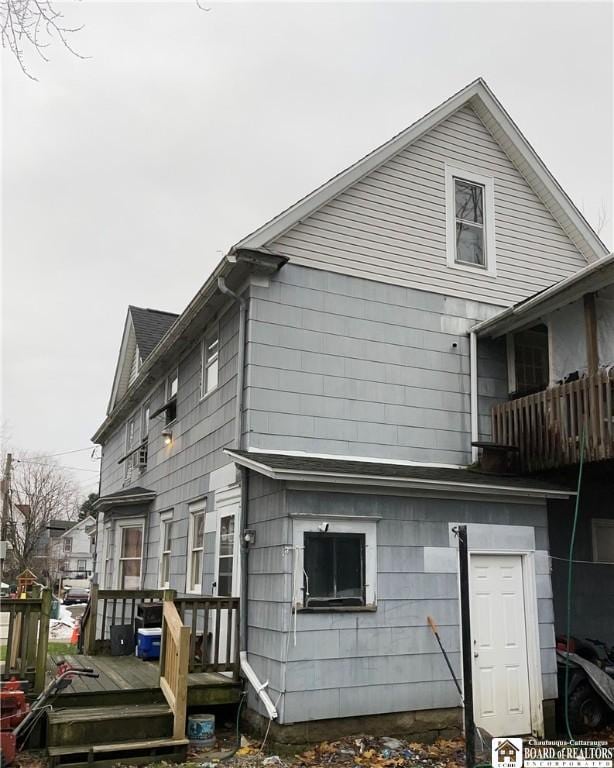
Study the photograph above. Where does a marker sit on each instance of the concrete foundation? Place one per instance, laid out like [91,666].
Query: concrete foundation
[424,726]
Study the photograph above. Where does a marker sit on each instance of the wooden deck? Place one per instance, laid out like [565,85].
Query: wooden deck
[129,680]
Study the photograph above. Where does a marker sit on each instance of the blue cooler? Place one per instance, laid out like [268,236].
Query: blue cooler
[148,645]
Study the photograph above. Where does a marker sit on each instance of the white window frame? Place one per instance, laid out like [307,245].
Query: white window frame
[145,419]
[488,183]
[302,524]
[596,524]
[166,518]
[130,440]
[213,332]
[107,558]
[235,548]
[67,546]
[117,547]
[82,560]
[168,397]
[194,509]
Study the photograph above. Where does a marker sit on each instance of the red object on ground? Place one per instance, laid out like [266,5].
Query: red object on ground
[13,709]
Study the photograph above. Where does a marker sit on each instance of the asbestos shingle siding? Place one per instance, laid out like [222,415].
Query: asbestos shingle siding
[341,365]
[347,664]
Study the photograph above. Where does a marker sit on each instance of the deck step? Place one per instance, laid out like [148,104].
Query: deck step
[101,725]
[124,752]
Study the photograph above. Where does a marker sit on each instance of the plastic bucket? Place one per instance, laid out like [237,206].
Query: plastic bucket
[201,730]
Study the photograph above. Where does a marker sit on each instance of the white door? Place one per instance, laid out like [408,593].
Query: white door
[227,563]
[499,637]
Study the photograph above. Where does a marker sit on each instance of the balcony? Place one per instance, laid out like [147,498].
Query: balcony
[547,426]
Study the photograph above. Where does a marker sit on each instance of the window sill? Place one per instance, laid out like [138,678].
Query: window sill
[339,609]
[480,269]
[208,394]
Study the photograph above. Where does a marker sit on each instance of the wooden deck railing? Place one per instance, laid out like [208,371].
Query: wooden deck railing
[214,643]
[28,637]
[547,426]
[174,662]
[214,624]
[108,607]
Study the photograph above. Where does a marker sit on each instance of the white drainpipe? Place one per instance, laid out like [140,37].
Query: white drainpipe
[473,362]
[259,687]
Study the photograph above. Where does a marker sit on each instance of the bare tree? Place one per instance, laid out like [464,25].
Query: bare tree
[31,25]
[41,491]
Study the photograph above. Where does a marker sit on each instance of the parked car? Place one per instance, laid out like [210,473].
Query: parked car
[76,595]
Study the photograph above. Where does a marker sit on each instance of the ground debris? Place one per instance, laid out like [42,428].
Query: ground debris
[385,752]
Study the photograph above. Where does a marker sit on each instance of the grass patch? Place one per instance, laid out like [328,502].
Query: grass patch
[54,649]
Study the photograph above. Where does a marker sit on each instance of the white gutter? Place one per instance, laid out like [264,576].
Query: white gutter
[537,302]
[259,687]
[343,478]
[473,361]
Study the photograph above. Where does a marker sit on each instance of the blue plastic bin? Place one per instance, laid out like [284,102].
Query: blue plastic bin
[148,643]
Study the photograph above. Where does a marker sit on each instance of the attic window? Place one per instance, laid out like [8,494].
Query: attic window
[470,220]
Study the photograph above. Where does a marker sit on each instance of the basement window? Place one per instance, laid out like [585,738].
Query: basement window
[334,569]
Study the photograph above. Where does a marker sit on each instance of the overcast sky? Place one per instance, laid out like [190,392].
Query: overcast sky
[128,174]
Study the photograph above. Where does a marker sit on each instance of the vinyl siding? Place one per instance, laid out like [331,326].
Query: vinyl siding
[350,664]
[342,365]
[391,225]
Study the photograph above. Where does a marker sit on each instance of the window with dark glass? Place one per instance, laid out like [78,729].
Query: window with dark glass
[531,359]
[469,216]
[334,566]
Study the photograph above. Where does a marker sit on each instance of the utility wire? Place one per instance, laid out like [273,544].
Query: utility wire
[64,453]
[57,466]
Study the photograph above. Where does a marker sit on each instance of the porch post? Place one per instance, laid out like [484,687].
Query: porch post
[590,324]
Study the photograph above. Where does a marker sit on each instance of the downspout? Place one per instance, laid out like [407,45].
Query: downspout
[473,378]
[221,284]
[246,667]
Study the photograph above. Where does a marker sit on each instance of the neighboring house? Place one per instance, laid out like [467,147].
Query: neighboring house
[43,557]
[72,555]
[302,433]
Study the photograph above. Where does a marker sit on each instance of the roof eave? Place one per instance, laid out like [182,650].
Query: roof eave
[341,478]
[147,375]
[482,99]
[591,278]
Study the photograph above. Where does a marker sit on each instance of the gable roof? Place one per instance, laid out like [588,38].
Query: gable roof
[88,520]
[503,129]
[593,277]
[143,329]
[150,325]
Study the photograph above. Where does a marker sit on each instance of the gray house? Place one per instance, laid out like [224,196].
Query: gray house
[302,436]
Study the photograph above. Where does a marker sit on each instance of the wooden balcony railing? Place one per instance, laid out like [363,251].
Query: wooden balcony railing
[547,426]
